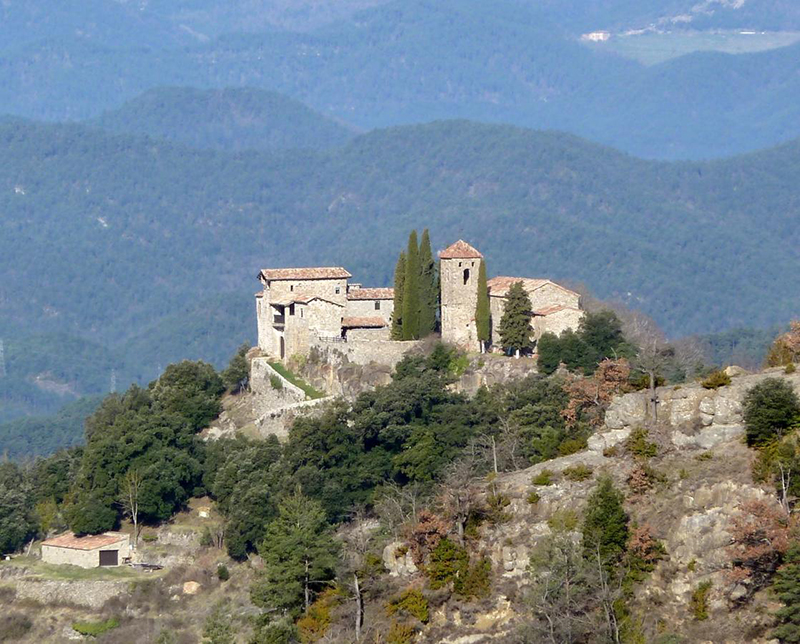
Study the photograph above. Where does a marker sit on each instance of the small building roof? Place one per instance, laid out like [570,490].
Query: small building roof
[460,250]
[312,273]
[364,323]
[498,286]
[550,310]
[371,294]
[87,542]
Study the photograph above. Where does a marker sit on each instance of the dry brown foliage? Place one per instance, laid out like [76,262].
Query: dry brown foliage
[760,536]
[425,535]
[786,348]
[591,396]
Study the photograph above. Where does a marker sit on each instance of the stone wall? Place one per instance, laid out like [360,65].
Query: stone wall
[366,309]
[266,397]
[368,335]
[557,322]
[278,421]
[364,352]
[90,594]
[459,300]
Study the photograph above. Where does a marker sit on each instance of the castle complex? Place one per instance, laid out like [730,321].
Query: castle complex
[300,308]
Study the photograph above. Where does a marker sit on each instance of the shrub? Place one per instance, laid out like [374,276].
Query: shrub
[699,601]
[411,602]
[716,379]
[316,621]
[400,634]
[545,477]
[275,382]
[93,629]
[533,497]
[578,473]
[476,582]
[638,445]
[771,408]
[572,446]
[496,508]
[565,520]
[14,626]
[223,574]
[448,561]
[149,537]
[644,478]
[705,456]
[790,368]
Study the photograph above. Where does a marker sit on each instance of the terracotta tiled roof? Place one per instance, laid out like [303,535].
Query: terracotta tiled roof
[460,250]
[89,542]
[498,286]
[317,273]
[368,323]
[555,309]
[371,294]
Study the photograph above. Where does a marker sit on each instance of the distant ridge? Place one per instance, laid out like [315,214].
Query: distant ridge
[232,119]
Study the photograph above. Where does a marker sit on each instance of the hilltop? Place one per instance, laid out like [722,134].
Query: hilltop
[148,231]
[227,119]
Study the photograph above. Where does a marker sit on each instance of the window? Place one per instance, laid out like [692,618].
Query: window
[301,312]
[377,305]
[338,290]
[291,309]
[459,264]
[291,287]
[466,275]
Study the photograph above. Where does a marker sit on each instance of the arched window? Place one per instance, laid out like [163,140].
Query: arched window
[466,275]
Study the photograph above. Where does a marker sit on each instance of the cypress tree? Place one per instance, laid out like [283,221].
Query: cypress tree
[399,281]
[411,290]
[515,325]
[482,311]
[428,287]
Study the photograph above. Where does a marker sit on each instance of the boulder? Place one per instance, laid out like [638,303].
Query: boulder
[191,588]
[397,560]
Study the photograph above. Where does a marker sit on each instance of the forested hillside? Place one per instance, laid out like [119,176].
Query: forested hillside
[122,241]
[226,119]
[411,61]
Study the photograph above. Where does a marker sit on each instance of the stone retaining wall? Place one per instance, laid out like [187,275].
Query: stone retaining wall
[90,594]
[278,421]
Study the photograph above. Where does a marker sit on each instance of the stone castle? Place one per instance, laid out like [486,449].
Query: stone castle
[302,308]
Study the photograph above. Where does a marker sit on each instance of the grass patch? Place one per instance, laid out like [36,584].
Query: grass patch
[93,629]
[297,381]
[39,569]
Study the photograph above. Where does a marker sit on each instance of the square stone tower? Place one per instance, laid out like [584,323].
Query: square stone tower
[458,272]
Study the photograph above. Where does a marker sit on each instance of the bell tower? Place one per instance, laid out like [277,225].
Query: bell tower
[458,271]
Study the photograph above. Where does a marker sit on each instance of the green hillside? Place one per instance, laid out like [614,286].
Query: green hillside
[416,60]
[227,119]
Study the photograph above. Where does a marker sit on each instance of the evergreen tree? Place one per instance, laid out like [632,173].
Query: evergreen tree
[549,350]
[399,282]
[411,290]
[787,587]
[605,524]
[428,287]
[218,628]
[299,553]
[515,325]
[482,311]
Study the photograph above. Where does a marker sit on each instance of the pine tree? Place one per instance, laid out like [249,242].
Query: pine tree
[399,281]
[605,524]
[515,325]
[482,310]
[787,587]
[299,553]
[411,290]
[428,287]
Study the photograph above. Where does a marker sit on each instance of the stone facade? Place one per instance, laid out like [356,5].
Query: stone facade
[303,308]
[91,551]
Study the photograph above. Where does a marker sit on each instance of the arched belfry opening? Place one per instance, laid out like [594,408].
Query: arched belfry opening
[466,276]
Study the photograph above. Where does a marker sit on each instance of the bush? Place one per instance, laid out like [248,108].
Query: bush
[638,445]
[223,574]
[275,382]
[533,497]
[572,446]
[14,626]
[93,629]
[447,562]
[578,473]
[545,477]
[476,582]
[400,634]
[149,537]
[411,602]
[790,368]
[496,508]
[316,621]
[699,601]
[771,408]
[716,379]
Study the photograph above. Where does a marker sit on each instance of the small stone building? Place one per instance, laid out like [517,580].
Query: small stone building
[90,551]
